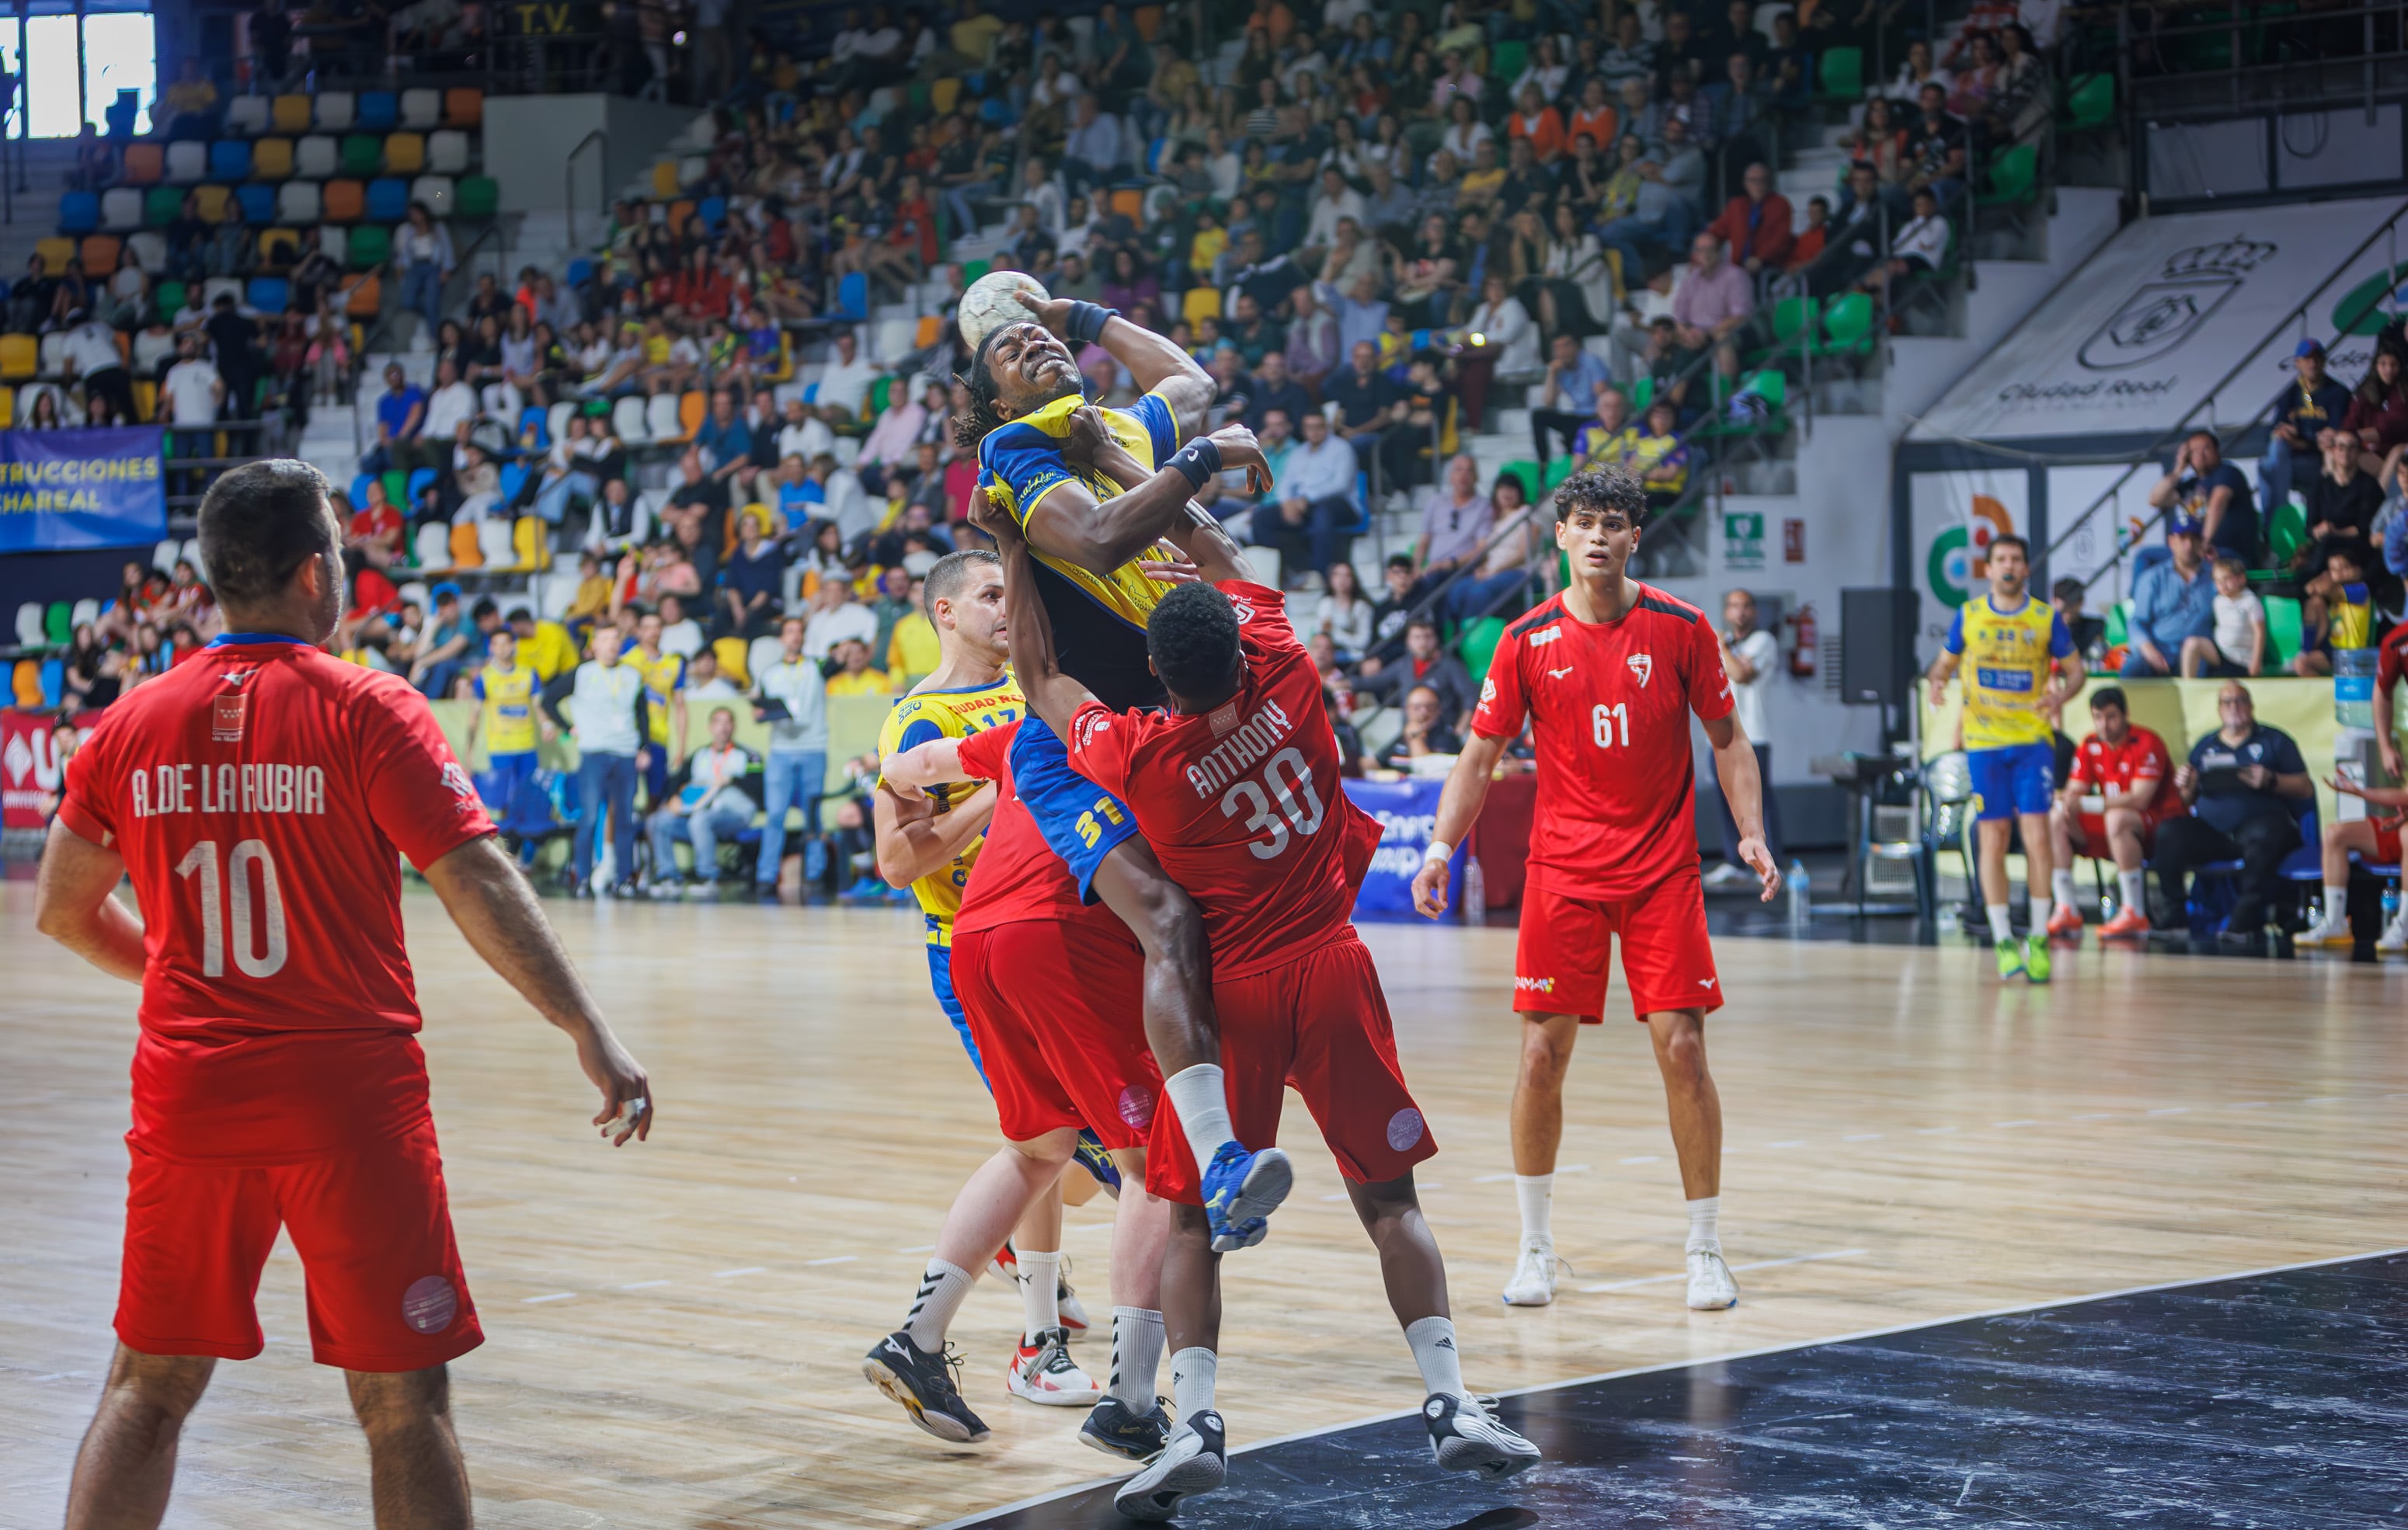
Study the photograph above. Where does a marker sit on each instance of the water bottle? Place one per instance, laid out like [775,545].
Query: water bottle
[1475,891]
[1802,896]
[2354,686]
[2390,902]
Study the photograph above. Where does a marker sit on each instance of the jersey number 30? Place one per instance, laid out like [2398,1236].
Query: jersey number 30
[1288,781]
[202,861]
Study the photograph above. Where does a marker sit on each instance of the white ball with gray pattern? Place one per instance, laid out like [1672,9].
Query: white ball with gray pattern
[988,306]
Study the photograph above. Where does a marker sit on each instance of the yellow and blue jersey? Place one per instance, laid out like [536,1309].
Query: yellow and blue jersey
[929,714]
[2007,656]
[1098,621]
[664,677]
[509,698]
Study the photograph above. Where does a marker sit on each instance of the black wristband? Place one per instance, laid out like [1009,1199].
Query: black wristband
[1198,460]
[1087,323]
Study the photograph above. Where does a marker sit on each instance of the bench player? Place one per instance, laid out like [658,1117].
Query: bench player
[1228,788]
[257,796]
[1613,852]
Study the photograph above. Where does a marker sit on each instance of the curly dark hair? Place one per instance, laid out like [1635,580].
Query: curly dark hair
[971,427]
[1602,488]
[1192,637]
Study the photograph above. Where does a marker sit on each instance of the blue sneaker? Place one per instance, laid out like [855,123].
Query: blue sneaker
[1115,1428]
[1091,1155]
[1240,1189]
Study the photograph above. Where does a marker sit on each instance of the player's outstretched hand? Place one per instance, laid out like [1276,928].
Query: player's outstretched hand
[1051,312]
[1760,859]
[1429,889]
[1238,449]
[1169,570]
[2344,785]
[626,1091]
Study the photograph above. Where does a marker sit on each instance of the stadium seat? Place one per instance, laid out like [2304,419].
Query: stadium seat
[447,152]
[692,169]
[931,330]
[361,482]
[290,113]
[25,675]
[1840,74]
[55,623]
[497,543]
[421,107]
[54,362]
[712,211]
[258,202]
[2089,102]
[852,296]
[211,201]
[144,163]
[480,196]
[333,239]
[661,423]
[247,115]
[892,339]
[434,546]
[191,554]
[531,542]
[464,106]
[279,248]
[99,254]
[404,154]
[271,159]
[370,245]
[299,202]
[2015,177]
[269,295]
[363,299]
[734,662]
[29,624]
[170,299]
[20,357]
[361,154]
[230,159]
[335,110]
[1848,325]
[1201,303]
[435,192]
[627,419]
[188,161]
[150,248]
[375,111]
[420,481]
[216,287]
[467,551]
[164,556]
[55,253]
[388,200]
[680,212]
[345,201]
[664,180]
[317,156]
[78,212]
[162,206]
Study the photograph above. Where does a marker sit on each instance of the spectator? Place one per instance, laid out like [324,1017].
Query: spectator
[704,683]
[2172,602]
[1342,614]
[2343,609]
[608,727]
[1312,520]
[1423,662]
[792,698]
[1711,303]
[2205,488]
[1390,614]
[1608,439]
[2090,632]
[2114,797]
[1918,249]
[1367,401]
[1661,458]
[706,802]
[2378,416]
[844,383]
[1569,395]
[1425,732]
[2312,405]
[1938,146]
[2236,646]
[1755,225]
[2240,785]
[681,635]
[1751,657]
[1274,389]
[1455,518]
[2341,504]
[750,586]
[423,259]
[836,617]
[1665,211]
[854,675]
[192,392]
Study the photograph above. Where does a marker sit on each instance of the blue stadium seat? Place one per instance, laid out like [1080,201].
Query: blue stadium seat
[230,160]
[388,200]
[535,416]
[513,479]
[360,491]
[852,296]
[375,111]
[712,211]
[580,271]
[258,202]
[419,481]
[78,212]
[269,295]
[55,682]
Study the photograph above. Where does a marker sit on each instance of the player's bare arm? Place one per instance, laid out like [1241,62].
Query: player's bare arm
[913,839]
[1100,535]
[1458,808]
[73,906]
[489,898]
[1943,669]
[1054,697]
[1744,788]
[1153,364]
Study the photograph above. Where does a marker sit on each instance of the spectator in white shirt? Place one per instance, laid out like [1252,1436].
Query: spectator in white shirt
[92,359]
[452,402]
[703,680]
[1919,248]
[608,727]
[836,617]
[681,633]
[1343,614]
[192,390]
[1336,200]
[708,804]
[1751,657]
[842,499]
[804,434]
[1313,520]
[844,384]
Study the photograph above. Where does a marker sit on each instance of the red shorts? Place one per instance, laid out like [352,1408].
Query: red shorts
[2094,835]
[1560,965]
[1057,1007]
[1320,1024]
[372,1226]
[2387,841]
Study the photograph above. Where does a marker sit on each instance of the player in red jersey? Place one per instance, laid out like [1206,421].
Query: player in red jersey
[2114,798]
[1613,851]
[261,797]
[1237,787]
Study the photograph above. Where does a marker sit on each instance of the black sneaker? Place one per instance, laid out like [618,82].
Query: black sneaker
[1115,1428]
[923,1383]
[1465,1435]
[1196,1460]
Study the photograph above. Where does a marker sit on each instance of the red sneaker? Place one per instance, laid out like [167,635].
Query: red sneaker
[2128,923]
[2066,921]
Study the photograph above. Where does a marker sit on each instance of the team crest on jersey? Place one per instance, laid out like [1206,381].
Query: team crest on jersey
[227,714]
[457,779]
[1223,718]
[1487,690]
[1642,666]
[1244,609]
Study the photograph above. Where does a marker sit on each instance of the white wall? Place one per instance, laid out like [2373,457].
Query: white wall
[528,139]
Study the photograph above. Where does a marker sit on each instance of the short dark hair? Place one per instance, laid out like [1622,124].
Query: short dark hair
[2068,588]
[2109,695]
[1601,489]
[950,573]
[2011,539]
[258,524]
[1192,639]
[1401,559]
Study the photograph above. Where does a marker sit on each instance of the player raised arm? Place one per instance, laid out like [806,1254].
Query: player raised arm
[1744,788]
[490,900]
[1214,553]
[1458,808]
[1054,697]
[1154,363]
[913,839]
[72,904]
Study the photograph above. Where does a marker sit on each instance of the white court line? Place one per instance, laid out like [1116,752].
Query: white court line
[556,1297]
[642,1285]
[919,1248]
[1863,1137]
[732,1274]
[985,1515]
[1492,1179]
[2170,1110]
[2002,1125]
[2094,1115]
[834,1258]
[1646,1158]
[1792,1142]
[1761,1264]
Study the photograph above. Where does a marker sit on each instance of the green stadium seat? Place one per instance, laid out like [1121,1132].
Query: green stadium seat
[1848,325]
[2119,625]
[1478,645]
[2286,533]
[479,197]
[371,245]
[161,205]
[170,295]
[363,155]
[2283,628]
[1528,473]
[1840,74]
[1507,60]
[2015,177]
[2089,102]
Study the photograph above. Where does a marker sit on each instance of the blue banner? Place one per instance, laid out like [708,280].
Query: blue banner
[65,489]
[1407,810]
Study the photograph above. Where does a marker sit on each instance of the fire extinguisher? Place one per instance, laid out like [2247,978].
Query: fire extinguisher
[1801,656]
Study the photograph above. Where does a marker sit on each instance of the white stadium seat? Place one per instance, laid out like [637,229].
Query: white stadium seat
[661,422]
[420,108]
[315,157]
[150,248]
[628,422]
[246,116]
[447,152]
[435,192]
[121,207]
[336,109]
[188,161]
[434,544]
[85,613]
[298,202]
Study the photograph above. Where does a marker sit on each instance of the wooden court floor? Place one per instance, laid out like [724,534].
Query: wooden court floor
[674,1328]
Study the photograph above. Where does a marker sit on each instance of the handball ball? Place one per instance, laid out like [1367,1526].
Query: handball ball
[988,305]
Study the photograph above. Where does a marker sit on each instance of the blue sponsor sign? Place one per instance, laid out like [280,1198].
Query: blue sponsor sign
[1407,810]
[67,489]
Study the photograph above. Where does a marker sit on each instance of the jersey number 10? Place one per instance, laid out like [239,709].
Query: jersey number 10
[1299,805]
[202,861]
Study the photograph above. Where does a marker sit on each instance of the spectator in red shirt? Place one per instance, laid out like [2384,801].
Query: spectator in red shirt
[376,528]
[1757,225]
[2114,799]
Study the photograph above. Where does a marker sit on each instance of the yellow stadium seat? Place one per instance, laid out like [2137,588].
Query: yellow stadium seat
[404,154]
[292,114]
[25,681]
[9,406]
[271,159]
[731,652]
[664,180]
[20,357]
[146,399]
[465,553]
[277,249]
[55,253]
[1201,303]
[944,96]
[213,200]
[531,539]
[932,329]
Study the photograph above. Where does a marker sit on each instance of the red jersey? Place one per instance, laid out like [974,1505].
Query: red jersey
[1617,797]
[2391,661]
[1017,876]
[1243,806]
[262,795]
[2143,758]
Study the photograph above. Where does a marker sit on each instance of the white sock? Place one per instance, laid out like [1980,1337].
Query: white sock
[1192,1374]
[1041,1290]
[2336,903]
[1137,1355]
[2134,892]
[1434,1352]
[941,1290]
[1704,1236]
[2039,912]
[1537,1194]
[2002,927]
[1202,1102]
[2061,883]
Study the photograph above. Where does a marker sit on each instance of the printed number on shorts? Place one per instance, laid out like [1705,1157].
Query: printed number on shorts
[202,861]
[1287,781]
[1602,722]
[1089,830]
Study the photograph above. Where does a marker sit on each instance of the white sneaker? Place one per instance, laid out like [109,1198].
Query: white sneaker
[1073,1311]
[1533,1283]
[2328,931]
[1466,1435]
[1727,875]
[1043,1372]
[2394,938]
[1711,1286]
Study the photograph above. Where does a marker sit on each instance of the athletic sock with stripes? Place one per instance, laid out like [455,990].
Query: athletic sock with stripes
[941,1291]
[1137,1355]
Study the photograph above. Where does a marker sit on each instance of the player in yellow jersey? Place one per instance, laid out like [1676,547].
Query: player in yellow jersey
[2019,666]
[663,706]
[505,717]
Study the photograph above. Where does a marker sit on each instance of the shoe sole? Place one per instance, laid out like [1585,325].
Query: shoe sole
[1548,1299]
[1196,1475]
[1713,1307]
[1097,1442]
[877,1373]
[1267,1186]
[1457,1453]
[1056,1399]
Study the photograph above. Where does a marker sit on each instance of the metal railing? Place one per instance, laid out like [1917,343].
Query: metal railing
[568,185]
